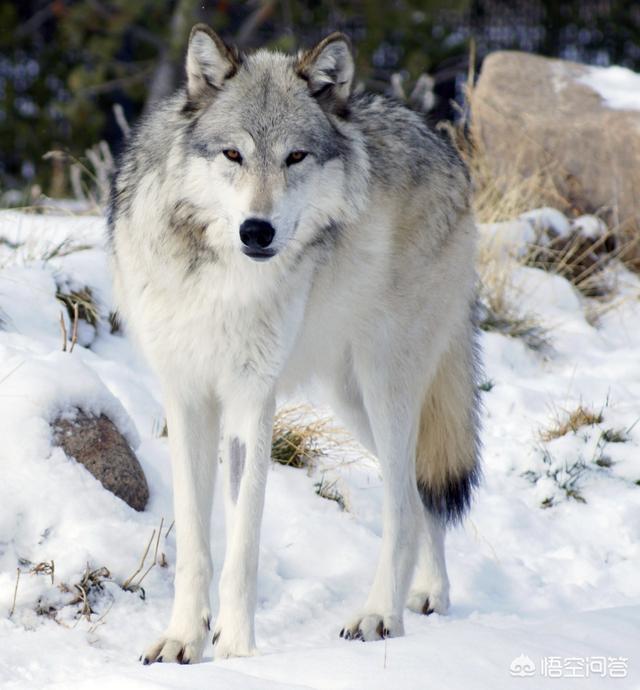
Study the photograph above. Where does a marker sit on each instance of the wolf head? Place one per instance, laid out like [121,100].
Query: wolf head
[269,146]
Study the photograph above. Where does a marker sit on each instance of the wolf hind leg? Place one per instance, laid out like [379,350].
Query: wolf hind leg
[447,466]
[193,424]
[393,409]
[430,587]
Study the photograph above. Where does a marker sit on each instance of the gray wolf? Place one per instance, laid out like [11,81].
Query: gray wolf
[269,228]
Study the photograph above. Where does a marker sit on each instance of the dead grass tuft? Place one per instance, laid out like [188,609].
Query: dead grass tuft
[87,590]
[579,260]
[504,195]
[328,490]
[572,421]
[497,310]
[300,437]
[615,436]
[82,300]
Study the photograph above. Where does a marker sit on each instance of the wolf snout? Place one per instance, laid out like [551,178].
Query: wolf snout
[256,235]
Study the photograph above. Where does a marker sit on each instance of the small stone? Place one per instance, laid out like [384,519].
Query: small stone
[96,443]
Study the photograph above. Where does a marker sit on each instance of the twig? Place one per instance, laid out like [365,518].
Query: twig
[45,568]
[100,620]
[173,522]
[127,583]
[63,328]
[121,120]
[86,608]
[74,332]
[4,378]
[15,593]
[254,21]
[75,176]
[155,555]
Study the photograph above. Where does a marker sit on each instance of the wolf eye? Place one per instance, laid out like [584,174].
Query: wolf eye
[233,155]
[296,157]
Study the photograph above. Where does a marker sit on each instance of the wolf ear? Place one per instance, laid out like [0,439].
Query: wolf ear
[328,68]
[209,62]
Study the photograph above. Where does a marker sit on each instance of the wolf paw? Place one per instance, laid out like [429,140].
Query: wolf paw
[178,649]
[373,627]
[225,646]
[428,603]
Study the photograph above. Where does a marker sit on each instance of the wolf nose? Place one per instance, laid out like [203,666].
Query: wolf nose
[256,234]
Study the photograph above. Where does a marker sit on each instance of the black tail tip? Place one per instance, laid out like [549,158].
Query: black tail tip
[451,502]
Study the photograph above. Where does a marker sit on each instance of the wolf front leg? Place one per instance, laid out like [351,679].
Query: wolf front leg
[246,452]
[193,426]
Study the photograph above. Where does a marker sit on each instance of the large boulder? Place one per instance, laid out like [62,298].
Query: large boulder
[96,443]
[531,113]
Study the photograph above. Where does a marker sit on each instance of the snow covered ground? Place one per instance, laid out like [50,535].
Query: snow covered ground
[545,571]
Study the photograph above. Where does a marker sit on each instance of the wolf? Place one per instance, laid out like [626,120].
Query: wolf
[270,228]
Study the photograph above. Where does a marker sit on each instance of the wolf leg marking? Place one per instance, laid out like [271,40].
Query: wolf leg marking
[237,455]
[393,414]
[193,436]
[430,587]
[251,423]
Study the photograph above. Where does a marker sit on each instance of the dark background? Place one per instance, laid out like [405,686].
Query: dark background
[64,64]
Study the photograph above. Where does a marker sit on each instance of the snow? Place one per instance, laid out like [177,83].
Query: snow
[530,585]
[619,87]
[545,219]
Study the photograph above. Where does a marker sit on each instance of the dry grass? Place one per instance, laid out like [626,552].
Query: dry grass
[130,584]
[497,309]
[82,300]
[571,421]
[328,490]
[88,178]
[567,477]
[504,320]
[87,590]
[503,195]
[615,436]
[580,260]
[300,437]
[115,325]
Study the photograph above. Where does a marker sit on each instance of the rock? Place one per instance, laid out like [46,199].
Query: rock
[96,443]
[531,113]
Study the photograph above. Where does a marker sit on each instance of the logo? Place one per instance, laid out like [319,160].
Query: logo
[522,666]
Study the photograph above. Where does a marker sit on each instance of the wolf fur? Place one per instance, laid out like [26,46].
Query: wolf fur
[365,288]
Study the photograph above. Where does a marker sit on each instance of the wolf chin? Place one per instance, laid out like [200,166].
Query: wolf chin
[270,228]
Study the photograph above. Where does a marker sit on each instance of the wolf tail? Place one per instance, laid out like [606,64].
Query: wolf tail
[448,450]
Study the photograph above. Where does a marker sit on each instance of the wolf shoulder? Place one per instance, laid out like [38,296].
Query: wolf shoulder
[405,152]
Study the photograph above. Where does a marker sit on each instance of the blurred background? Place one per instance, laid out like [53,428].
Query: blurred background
[74,74]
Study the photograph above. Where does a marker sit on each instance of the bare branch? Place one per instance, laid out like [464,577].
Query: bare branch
[74,331]
[127,583]
[254,21]
[118,113]
[15,593]
[63,328]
